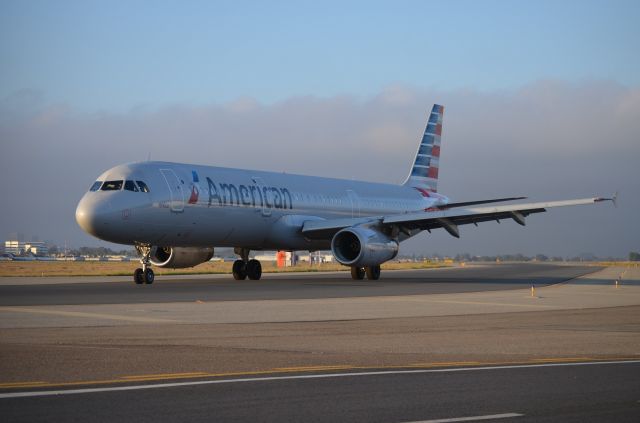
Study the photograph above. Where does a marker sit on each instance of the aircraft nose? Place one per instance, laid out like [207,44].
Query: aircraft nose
[92,215]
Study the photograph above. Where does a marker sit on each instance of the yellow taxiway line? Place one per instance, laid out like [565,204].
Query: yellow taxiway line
[301,369]
[85,315]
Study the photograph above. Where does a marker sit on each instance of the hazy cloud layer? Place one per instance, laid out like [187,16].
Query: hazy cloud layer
[548,140]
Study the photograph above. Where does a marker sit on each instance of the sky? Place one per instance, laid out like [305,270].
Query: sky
[542,99]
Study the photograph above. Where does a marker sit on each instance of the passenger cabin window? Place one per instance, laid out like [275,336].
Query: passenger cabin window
[95,186]
[143,187]
[111,186]
[130,186]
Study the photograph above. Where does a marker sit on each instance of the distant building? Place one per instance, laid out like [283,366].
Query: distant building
[266,257]
[37,248]
[14,247]
[317,257]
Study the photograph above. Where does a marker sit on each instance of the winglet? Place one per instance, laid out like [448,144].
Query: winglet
[613,199]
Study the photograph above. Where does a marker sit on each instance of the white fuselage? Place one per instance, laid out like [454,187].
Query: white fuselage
[204,206]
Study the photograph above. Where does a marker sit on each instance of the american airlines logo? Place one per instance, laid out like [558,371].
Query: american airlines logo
[254,195]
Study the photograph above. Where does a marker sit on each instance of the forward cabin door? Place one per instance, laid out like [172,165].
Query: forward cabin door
[175,188]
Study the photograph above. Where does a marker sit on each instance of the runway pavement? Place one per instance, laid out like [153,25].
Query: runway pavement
[61,336]
[121,290]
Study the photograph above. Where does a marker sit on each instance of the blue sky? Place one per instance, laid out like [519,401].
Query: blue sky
[542,99]
[116,56]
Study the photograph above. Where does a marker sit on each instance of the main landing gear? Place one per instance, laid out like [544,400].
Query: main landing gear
[372,272]
[144,275]
[245,268]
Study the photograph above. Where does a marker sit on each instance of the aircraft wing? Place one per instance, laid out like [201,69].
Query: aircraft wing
[447,219]
[476,203]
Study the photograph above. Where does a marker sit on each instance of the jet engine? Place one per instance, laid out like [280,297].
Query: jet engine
[179,257]
[361,247]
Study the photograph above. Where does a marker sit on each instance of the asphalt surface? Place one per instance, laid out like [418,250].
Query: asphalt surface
[555,393]
[285,286]
[86,348]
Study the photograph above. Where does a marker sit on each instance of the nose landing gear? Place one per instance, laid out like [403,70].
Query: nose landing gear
[244,267]
[144,275]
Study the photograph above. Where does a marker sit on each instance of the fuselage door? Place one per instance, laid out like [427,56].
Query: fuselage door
[175,189]
[267,203]
[355,203]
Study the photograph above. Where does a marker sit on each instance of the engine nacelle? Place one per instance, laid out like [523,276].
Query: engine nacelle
[361,247]
[179,257]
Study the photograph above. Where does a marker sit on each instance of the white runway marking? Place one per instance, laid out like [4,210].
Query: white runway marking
[314,376]
[472,418]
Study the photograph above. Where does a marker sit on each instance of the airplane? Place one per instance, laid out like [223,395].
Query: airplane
[176,214]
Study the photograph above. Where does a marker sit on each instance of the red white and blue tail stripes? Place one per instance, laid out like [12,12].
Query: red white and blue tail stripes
[424,173]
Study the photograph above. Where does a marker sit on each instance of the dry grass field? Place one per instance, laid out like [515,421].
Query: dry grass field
[104,268]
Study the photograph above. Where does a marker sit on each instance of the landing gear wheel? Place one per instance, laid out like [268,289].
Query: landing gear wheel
[254,269]
[373,273]
[239,270]
[138,276]
[149,276]
[357,273]
[144,275]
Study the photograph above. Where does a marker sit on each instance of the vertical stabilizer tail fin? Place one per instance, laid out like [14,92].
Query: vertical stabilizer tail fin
[424,172]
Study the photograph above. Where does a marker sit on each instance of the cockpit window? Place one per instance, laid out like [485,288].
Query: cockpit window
[143,186]
[95,186]
[111,186]
[130,186]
